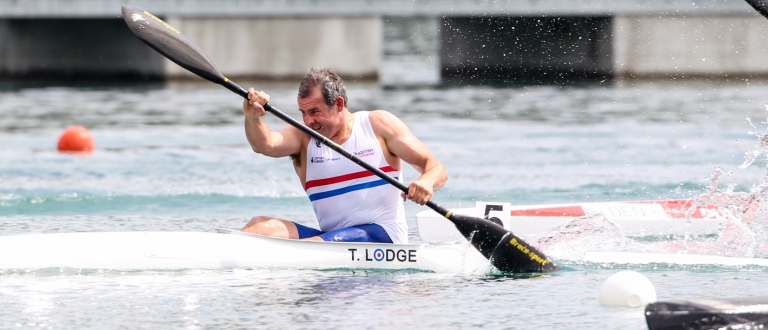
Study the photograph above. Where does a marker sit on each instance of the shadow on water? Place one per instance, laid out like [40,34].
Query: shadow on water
[508,81]
[526,78]
[496,276]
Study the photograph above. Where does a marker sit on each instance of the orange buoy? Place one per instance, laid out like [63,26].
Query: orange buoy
[76,139]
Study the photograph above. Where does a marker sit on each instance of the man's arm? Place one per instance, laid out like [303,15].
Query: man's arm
[285,142]
[401,142]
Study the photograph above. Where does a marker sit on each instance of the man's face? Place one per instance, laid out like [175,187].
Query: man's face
[318,116]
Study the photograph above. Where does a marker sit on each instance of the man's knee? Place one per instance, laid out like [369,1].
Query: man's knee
[257,224]
[258,219]
[269,226]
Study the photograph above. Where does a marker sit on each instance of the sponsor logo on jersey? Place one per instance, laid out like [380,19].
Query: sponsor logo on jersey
[363,153]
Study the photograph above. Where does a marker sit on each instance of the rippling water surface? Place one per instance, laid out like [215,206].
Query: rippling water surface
[174,158]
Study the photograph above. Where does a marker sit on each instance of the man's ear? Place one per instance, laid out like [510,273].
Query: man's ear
[340,103]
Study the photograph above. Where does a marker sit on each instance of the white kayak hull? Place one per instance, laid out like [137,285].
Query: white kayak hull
[236,250]
[634,218]
[216,250]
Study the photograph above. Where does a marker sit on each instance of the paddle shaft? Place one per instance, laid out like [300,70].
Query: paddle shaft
[229,84]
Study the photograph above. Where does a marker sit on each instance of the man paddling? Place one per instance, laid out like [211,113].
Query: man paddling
[351,203]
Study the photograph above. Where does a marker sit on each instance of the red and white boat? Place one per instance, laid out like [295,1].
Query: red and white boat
[634,218]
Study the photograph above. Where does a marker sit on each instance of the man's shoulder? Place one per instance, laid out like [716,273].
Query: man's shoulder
[379,112]
[381,116]
[385,124]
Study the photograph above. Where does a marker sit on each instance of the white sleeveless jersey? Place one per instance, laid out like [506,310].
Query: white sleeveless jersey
[343,194]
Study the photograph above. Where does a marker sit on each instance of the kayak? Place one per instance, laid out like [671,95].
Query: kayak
[223,249]
[634,218]
[228,249]
[733,313]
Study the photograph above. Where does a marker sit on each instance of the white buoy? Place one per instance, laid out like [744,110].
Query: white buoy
[627,289]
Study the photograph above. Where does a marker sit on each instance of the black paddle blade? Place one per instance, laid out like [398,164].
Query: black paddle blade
[760,5]
[171,43]
[506,251]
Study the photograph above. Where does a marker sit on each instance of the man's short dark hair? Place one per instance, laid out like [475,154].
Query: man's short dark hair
[330,84]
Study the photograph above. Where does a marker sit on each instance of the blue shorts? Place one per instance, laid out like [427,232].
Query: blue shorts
[371,233]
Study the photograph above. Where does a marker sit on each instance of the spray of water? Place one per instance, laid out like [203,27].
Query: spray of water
[573,239]
[744,233]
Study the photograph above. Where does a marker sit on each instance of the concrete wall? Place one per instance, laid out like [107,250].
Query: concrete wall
[352,8]
[286,47]
[79,48]
[706,46]
[244,47]
[509,48]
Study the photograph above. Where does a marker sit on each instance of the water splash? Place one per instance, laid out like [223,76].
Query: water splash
[572,240]
[744,233]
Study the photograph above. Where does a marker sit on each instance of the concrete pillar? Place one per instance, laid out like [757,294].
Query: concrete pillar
[526,49]
[285,47]
[704,46]
[74,48]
